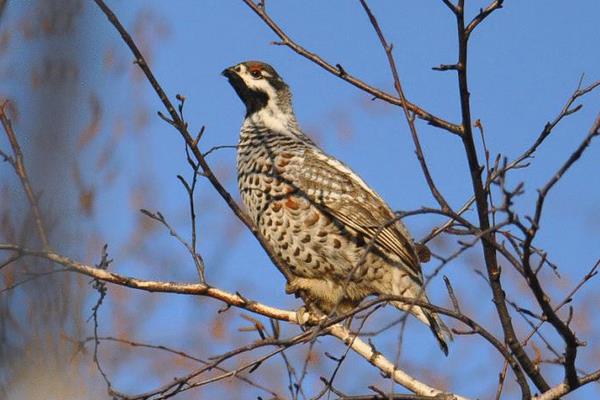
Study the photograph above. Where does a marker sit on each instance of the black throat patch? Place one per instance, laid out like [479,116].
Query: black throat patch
[255,100]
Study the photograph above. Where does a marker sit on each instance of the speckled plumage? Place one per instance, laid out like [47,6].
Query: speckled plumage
[332,230]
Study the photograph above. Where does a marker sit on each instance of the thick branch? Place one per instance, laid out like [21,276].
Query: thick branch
[387,367]
[239,301]
[559,391]
[482,205]
[450,6]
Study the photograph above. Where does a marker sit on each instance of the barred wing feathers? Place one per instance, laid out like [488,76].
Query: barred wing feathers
[342,194]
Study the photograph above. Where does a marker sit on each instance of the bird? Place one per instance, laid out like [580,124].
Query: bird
[339,240]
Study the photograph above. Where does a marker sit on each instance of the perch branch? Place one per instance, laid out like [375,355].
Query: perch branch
[236,300]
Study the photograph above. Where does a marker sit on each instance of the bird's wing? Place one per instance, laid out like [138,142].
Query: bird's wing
[341,193]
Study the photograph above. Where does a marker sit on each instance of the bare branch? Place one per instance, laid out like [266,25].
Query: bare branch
[542,298]
[481,201]
[594,131]
[239,301]
[379,361]
[100,287]
[559,391]
[19,166]
[341,73]
[182,128]
[548,128]
[181,354]
[450,5]
[190,248]
[410,120]
[568,298]
[10,260]
[483,14]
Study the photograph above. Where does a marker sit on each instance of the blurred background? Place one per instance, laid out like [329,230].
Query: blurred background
[96,153]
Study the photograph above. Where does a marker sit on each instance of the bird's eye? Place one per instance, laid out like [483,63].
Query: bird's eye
[256,73]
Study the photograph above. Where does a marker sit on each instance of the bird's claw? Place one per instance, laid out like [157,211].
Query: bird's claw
[302,315]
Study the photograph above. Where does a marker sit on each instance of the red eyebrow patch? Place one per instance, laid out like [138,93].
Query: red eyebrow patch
[254,67]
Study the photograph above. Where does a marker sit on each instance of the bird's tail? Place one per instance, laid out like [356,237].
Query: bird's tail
[404,285]
[441,332]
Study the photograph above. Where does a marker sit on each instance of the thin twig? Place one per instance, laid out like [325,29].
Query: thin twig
[19,166]
[341,73]
[483,14]
[542,298]
[181,354]
[409,119]
[182,128]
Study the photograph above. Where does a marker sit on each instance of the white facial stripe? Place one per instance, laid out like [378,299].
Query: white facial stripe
[271,116]
[253,83]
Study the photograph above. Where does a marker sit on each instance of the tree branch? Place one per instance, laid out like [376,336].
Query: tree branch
[450,6]
[182,128]
[19,167]
[410,120]
[342,74]
[559,391]
[481,202]
[542,298]
[549,127]
[181,354]
[239,301]
[483,14]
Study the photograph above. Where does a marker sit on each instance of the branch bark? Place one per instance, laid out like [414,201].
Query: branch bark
[19,167]
[405,106]
[337,330]
[560,390]
[542,298]
[482,205]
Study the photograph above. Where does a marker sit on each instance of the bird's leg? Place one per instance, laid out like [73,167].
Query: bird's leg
[308,311]
[302,313]
[292,288]
[348,322]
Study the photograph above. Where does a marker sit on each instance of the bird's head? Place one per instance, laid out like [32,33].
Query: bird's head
[259,86]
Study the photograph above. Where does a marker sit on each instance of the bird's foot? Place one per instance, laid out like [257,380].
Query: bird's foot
[306,314]
[302,315]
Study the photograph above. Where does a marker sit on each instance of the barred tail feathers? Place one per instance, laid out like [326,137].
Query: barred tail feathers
[440,331]
[438,328]
[403,288]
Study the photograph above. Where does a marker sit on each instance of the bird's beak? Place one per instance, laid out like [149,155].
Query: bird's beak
[235,80]
[228,72]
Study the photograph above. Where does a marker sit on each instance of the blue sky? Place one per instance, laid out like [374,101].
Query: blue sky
[525,61]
